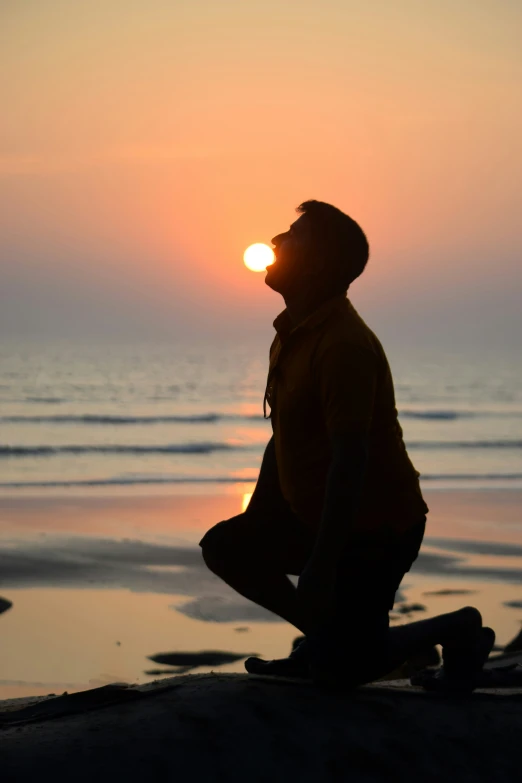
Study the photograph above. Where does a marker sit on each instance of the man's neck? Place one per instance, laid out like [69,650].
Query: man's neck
[301,306]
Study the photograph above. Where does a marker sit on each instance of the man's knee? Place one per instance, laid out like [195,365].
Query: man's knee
[221,544]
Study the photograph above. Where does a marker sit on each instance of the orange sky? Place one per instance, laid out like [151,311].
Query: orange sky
[144,145]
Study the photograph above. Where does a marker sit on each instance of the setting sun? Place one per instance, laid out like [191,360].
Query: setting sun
[247,496]
[257,257]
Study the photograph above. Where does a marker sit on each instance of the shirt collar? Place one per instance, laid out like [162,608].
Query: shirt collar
[283,325]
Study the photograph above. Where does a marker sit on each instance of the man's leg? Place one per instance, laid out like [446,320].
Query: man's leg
[466,645]
[354,645]
[452,631]
[254,555]
[356,637]
[365,648]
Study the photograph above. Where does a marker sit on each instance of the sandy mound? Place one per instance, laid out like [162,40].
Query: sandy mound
[240,728]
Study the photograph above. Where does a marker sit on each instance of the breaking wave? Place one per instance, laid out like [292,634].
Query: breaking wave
[465,444]
[454,415]
[174,448]
[204,418]
[212,418]
[20,452]
[136,480]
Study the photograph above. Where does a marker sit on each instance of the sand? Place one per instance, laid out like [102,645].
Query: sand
[243,728]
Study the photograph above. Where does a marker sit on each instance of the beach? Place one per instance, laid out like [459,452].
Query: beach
[100,583]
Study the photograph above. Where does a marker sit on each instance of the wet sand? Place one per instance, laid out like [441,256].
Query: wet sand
[489,515]
[100,584]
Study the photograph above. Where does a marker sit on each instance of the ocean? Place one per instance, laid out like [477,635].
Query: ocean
[161,415]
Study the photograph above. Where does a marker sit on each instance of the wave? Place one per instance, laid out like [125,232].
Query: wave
[204,418]
[471,477]
[439,415]
[46,400]
[212,418]
[464,444]
[124,481]
[174,448]
[454,415]
[137,480]
[7,452]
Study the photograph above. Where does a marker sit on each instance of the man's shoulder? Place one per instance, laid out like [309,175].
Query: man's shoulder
[347,331]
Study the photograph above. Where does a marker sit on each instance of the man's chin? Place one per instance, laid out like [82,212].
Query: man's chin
[271,279]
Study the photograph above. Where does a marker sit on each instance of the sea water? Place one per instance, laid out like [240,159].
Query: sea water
[164,415]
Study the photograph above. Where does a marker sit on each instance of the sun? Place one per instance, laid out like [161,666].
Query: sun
[247,496]
[257,257]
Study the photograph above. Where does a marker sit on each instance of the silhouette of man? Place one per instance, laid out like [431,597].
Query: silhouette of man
[337,501]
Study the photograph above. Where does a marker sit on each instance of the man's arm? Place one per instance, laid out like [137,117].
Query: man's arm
[347,388]
[342,498]
[267,493]
[348,379]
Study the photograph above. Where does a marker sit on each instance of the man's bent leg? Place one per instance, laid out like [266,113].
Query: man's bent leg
[355,641]
[466,645]
[254,556]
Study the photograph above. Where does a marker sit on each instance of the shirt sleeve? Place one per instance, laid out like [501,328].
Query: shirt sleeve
[347,376]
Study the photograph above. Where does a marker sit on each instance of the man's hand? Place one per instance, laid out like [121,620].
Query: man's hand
[316,592]
[316,585]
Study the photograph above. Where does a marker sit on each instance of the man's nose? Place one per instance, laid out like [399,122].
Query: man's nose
[278,239]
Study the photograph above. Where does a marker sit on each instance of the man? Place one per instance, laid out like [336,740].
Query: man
[337,501]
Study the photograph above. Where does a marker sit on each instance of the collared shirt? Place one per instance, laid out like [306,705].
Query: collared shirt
[329,376]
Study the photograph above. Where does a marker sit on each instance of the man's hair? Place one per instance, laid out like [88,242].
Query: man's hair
[341,241]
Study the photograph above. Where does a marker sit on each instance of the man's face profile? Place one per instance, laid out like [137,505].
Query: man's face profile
[291,250]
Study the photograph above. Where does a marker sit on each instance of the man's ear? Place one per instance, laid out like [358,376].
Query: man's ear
[316,264]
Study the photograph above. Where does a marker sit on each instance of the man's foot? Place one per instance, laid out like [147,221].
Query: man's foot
[465,672]
[296,665]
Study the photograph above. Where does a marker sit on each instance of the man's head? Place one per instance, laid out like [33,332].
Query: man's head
[323,251]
